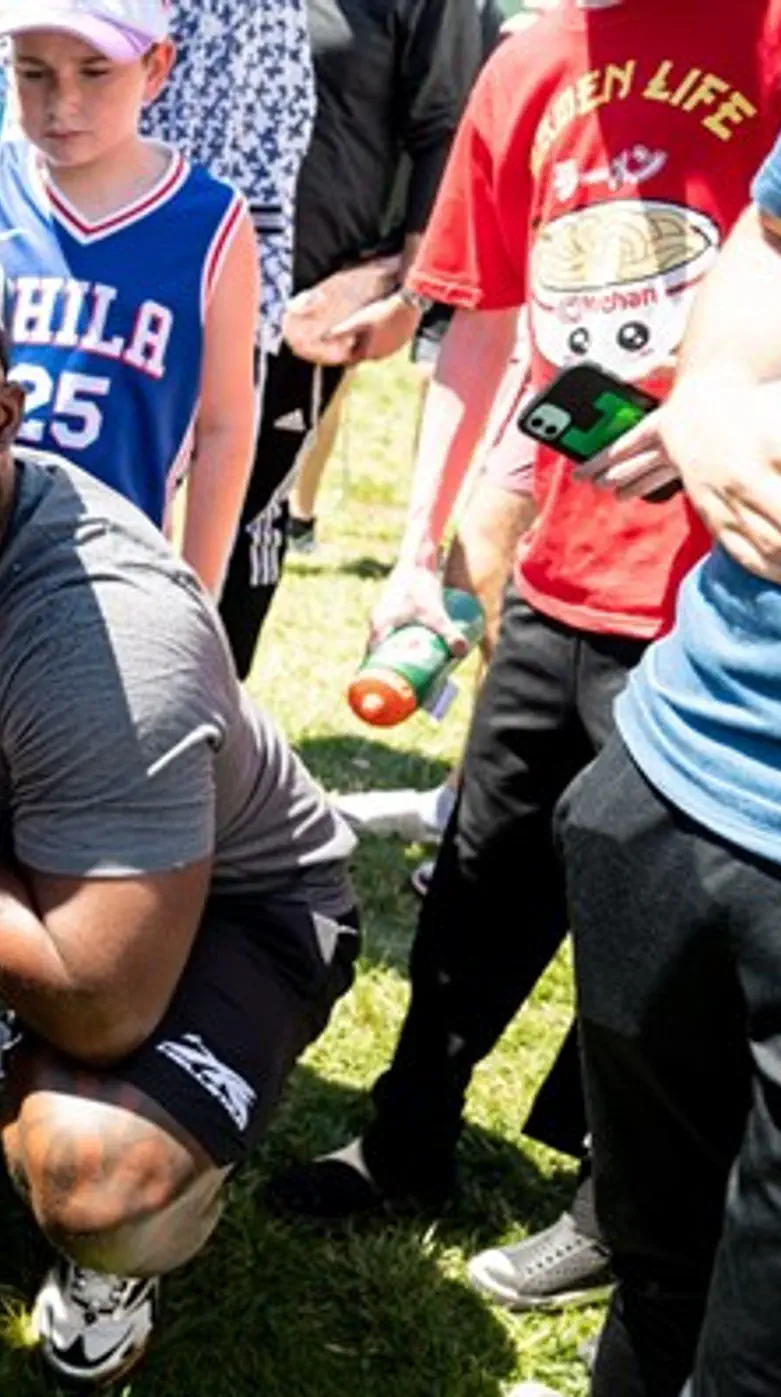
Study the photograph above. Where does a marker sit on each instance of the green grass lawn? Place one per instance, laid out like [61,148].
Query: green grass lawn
[381,1310]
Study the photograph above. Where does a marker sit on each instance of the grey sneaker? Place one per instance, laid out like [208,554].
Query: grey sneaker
[548,1271]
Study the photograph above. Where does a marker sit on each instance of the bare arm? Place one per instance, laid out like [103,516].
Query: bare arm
[225,429]
[91,964]
[471,365]
[720,430]
[734,326]
[474,357]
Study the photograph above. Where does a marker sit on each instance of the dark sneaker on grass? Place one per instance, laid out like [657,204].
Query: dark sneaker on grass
[333,1187]
[93,1328]
[549,1271]
[338,1186]
[301,535]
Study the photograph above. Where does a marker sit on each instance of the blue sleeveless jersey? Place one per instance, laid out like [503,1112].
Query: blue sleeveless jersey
[105,320]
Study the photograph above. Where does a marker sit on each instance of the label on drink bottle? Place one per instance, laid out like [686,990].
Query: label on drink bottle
[439,703]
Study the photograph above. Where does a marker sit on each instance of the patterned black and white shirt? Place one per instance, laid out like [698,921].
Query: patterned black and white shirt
[241,100]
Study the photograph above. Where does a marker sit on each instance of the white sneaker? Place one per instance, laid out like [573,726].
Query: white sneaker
[92,1327]
[532,1389]
[414,816]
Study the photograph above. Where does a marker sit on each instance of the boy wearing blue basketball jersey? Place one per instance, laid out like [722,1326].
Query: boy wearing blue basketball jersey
[131,281]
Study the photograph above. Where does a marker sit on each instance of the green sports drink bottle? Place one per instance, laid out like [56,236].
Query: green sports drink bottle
[411,668]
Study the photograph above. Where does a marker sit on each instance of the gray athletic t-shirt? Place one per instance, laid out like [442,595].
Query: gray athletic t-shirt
[127,745]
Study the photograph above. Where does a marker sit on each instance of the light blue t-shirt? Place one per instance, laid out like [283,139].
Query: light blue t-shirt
[766,191]
[702,714]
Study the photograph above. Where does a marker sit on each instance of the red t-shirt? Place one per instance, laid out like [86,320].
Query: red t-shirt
[602,159]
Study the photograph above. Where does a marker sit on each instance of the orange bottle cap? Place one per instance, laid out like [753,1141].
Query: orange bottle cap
[381,698]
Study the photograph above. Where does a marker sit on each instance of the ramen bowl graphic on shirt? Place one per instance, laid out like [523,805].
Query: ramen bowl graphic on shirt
[614,283]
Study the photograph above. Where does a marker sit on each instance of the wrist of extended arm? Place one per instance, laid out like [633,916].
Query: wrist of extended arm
[419,550]
[414,300]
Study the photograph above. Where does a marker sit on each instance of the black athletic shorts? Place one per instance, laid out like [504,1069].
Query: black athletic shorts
[259,986]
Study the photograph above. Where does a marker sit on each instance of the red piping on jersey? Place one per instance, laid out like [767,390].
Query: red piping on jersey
[220,246]
[132,212]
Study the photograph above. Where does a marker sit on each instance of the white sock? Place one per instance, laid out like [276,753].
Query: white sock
[352,1155]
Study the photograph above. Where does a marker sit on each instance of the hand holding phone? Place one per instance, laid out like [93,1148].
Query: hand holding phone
[583,411]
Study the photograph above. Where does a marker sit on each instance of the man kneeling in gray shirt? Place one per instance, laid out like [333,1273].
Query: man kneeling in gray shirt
[176,920]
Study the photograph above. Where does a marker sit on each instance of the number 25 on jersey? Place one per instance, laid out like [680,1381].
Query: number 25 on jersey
[73,404]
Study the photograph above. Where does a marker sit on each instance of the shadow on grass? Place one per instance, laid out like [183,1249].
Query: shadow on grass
[281,1309]
[499,1181]
[346,762]
[277,1307]
[365,569]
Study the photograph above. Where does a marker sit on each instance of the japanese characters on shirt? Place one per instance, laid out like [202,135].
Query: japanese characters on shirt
[615,281]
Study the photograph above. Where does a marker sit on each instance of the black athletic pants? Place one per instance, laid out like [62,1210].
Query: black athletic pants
[495,913]
[678,956]
[294,397]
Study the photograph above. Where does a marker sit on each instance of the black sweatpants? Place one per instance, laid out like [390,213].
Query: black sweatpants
[295,396]
[678,957]
[495,913]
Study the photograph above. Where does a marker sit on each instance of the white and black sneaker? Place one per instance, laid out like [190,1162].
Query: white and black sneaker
[92,1327]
